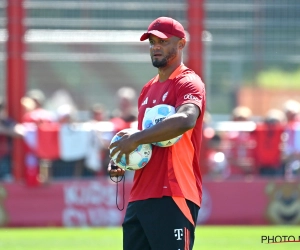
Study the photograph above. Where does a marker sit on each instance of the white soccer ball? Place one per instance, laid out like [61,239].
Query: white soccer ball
[155,115]
[138,158]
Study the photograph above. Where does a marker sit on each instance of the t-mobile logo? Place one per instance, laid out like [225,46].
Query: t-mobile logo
[178,233]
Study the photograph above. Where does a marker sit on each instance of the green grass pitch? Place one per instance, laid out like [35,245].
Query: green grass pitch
[207,237]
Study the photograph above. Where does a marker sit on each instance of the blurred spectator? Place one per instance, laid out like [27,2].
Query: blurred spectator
[7,132]
[216,159]
[241,113]
[240,144]
[67,168]
[98,113]
[33,103]
[275,116]
[28,105]
[104,132]
[125,116]
[78,146]
[268,150]
[291,136]
[126,113]
[291,110]
[65,114]
[35,169]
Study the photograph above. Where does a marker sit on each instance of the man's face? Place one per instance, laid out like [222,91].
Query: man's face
[163,51]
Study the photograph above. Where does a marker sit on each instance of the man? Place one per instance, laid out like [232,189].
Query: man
[166,194]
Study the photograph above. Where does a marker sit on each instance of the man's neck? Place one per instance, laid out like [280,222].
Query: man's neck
[164,73]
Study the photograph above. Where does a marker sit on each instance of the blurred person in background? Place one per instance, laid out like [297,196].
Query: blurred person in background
[36,171]
[241,113]
[291,109]
[275,116]
[65,114]
[33,103]
[239,144]
[216,160]
[268,149]
[78,146]
[7,133]
[125,116]
[67,168]
[126,113]
[98,113]
[291,151]
[104,133]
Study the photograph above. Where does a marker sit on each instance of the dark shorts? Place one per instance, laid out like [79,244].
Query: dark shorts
[158,224]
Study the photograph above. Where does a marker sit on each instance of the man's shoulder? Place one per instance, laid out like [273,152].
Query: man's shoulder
[188,76]
[188,72]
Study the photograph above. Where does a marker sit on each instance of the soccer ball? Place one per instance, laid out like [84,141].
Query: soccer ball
[155,115]
[138,158]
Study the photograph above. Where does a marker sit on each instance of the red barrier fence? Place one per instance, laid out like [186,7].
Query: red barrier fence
[93,203]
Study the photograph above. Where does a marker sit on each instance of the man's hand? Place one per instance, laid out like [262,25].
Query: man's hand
[114,170]
[124,146]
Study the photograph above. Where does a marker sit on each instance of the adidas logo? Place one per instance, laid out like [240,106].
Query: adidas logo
[145,101]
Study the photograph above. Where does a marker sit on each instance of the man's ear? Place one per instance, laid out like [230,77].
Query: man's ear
[181,43]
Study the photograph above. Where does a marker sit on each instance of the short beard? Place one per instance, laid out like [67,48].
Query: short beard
[160,64]
[164,62]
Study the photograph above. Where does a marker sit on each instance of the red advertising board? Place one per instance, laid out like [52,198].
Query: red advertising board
[93,203]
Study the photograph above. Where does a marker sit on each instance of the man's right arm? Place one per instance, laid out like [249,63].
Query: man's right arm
[183,120]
